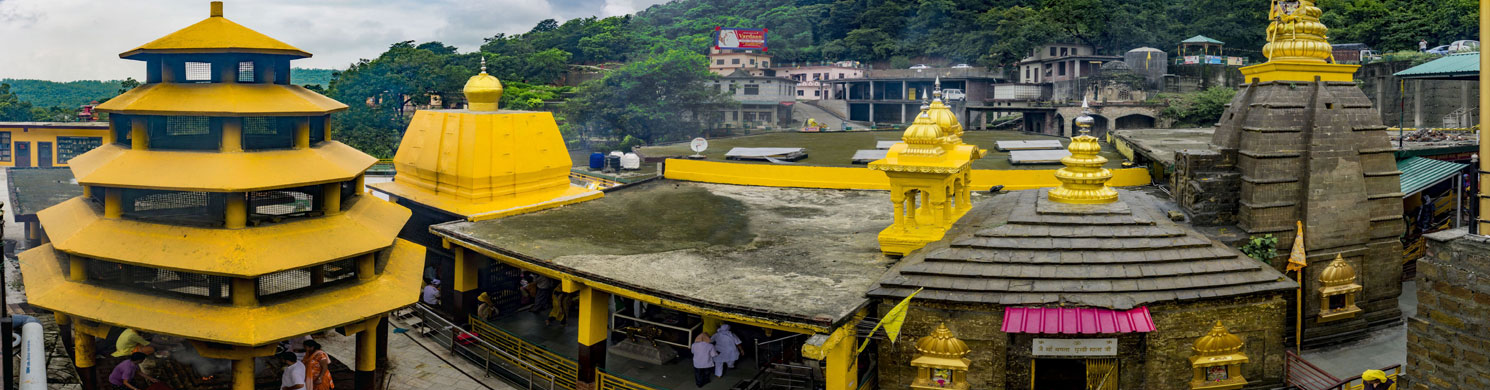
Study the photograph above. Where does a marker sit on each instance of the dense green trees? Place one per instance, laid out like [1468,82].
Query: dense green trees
[68,94]
[658,98]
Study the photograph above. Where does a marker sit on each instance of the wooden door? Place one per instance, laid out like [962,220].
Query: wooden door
[23,154]
[43,154]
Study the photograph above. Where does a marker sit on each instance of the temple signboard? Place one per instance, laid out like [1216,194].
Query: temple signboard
[1074,347]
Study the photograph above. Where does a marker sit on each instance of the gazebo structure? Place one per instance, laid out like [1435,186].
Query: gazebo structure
[220,212]
[1205,45]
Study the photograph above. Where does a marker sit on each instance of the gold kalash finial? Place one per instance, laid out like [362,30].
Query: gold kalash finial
[1084,180]
[483,91]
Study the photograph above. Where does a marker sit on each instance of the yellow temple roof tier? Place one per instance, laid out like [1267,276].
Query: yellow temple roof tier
[487,210]
[476,161]
[119,166]
[221,99]
[397,286]
[215,34]
[78,227]
[897,160]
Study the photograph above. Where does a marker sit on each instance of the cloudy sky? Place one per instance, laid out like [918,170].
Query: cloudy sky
[81,39]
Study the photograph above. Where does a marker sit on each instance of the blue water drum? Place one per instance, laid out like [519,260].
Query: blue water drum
[597,161]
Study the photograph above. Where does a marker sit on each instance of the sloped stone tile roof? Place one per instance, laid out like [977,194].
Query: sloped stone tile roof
[1022,249]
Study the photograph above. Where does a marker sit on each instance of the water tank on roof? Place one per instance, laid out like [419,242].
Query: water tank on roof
[631,161]
[597,161]
[1150,62]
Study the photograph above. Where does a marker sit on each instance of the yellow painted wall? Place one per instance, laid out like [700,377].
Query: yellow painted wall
[32,134]
[859,178]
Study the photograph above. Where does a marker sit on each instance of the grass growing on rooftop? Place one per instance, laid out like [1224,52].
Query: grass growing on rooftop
[836,149]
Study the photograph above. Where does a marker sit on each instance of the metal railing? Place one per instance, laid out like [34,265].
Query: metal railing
[607,381]
[492,358]
[527,356]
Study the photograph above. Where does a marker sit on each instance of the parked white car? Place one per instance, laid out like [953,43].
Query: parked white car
[1464,46]
[920,66]
[953,94]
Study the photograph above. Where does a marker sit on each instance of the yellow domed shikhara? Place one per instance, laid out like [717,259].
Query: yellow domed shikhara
[1083,180]
[941,343]
[1298,47]
[481,163]
[483,91]
[219,180]
[1338,273]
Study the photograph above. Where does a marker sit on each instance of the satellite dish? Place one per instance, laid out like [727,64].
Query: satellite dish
[698,145]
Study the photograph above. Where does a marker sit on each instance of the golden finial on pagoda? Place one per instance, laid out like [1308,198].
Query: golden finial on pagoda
[1338,273]
[1295,33]
[943,116]
[483,91]
[1084,180]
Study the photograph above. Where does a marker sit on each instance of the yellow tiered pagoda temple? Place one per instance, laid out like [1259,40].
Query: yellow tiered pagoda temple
[220,211]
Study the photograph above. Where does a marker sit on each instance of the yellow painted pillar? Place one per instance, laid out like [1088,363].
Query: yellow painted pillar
[232,135]
[77,271]
[840,370]
[594,329]
[361,185]
[88,190]
[327,121]
[366,269]
[83,358]
[367,356]
[302,133]
[236,210]
[243,374]
[245,292]
[331,198]
[466,286]
[139,133]
[711,324]
[113,203]
[1484,196]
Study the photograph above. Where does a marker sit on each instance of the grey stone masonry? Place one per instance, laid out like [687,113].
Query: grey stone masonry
[1447,347]
[1315,152]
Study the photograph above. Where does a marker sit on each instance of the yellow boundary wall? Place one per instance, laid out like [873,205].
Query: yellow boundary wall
[858,178]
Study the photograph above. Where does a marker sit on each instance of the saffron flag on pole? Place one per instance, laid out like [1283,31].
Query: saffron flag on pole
[1296,258]
[892,321]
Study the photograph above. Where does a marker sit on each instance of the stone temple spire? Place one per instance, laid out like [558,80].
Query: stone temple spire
[1084,180]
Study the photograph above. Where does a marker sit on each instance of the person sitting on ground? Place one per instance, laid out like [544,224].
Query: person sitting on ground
[486,310]
[130,342]
[317,367]
[431,294]
[294,376]
[1376,380]
[126,371]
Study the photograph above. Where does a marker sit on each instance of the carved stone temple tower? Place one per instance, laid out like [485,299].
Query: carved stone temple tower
[1303,143]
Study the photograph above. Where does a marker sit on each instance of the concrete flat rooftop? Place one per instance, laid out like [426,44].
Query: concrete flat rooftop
[837,149]
[1160,144]
[34,189]
[804,256]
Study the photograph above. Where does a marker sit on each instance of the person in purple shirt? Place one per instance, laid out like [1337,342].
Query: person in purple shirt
[125,372]
[703,359]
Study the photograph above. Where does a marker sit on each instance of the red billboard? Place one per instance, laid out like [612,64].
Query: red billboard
[740,38]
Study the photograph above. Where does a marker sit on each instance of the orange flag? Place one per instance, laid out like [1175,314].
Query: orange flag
[1296,258]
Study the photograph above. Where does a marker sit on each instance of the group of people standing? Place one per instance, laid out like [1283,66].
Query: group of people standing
[714,352]
[306,366]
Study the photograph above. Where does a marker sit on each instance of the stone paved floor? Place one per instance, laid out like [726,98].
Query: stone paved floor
[1383,348]
[412,366]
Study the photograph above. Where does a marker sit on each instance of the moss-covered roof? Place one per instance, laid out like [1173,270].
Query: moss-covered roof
[34,189]
[786,254]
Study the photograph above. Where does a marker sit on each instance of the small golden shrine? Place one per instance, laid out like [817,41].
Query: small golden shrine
[1298,47]
[1337,291]
[1084,180]
[940,364]
[1218,360]
[930,171]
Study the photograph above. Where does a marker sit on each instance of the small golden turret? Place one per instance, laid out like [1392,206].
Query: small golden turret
[940,364]
[1218,360]
[1338,273]
[1084,180]
[941,343]
[483,91]
[942,115]
[923,137]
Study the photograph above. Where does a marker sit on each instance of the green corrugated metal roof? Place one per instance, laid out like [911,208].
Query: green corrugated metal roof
[1464,65]
[1201,39]
[1419,173]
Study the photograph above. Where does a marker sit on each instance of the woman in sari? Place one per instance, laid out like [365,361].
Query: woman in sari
[317,367]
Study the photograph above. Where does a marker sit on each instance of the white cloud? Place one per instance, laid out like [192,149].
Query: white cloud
[78,40]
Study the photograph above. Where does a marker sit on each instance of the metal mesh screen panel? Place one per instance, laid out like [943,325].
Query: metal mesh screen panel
[198,71]
[207,287]
[246,72]
[96,195]
[286,283]
[175,207]
[261,133]
[185,133]
[278,205]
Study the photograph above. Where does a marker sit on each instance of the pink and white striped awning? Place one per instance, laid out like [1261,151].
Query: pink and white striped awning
[1060,320]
